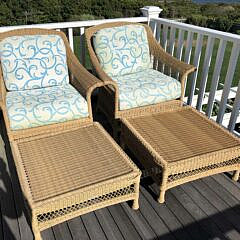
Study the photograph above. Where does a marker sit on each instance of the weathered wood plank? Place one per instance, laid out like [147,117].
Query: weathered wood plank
[154,220]
[228,213]
[228,198]
[231,186]
[93,227]
[212,212]
[126,227]
[108,225]
[182,215]
[48,234]
[61,231]
[77,229]
[198,214]
[175,226]
[139,222]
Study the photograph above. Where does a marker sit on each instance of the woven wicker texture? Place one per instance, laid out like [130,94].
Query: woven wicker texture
[68,161]
[72,172]
[181,135]
[181,145]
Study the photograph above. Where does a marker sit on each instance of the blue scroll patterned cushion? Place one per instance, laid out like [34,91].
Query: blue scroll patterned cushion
[33,61]
[122,50]
[37,107]
[146,88]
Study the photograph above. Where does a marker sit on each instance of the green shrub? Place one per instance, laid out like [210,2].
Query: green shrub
[220,23]
[198,20]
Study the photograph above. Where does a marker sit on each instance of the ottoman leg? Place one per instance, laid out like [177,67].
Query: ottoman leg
[163,186]
[161,198]
[236,175]
[36,233]
[135,205]
[35,229]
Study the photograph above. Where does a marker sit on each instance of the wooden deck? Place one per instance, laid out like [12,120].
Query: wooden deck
[204,209]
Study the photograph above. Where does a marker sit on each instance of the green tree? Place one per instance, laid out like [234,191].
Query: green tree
[220,23]
[4,18]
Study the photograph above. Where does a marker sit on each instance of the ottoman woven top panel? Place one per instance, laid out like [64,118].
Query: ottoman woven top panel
[182,134]
[71,160]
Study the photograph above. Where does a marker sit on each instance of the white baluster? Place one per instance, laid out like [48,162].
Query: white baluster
[228,80]
[82,47]
[216,75]
[235,110]
[196,61]
[70,38]
[188,52]
[206,65]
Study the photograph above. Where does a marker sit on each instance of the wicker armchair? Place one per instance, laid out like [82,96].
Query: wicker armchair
[174,143]
[67,164]
[107,100]
[79,78]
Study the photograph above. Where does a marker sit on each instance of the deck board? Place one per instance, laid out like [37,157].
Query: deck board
[229,213]
[140,223]
[174,225]
[93,226]
[211,211]
[77,229]
[204,209]
[108,225]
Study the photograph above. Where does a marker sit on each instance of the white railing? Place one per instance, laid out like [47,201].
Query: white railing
[186,42]
[70,27]
[198,45]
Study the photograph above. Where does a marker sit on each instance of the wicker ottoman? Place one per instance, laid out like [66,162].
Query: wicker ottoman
[64,175]
[181,145]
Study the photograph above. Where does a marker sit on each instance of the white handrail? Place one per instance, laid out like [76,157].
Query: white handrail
[61,25]
[188,27]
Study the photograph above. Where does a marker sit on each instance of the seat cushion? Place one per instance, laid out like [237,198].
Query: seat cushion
[32,108]
[33,61]
[146,88]
[122,50]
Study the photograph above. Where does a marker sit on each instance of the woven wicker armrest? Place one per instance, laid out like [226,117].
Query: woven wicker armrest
[177,65]
[160,54]
[84,80]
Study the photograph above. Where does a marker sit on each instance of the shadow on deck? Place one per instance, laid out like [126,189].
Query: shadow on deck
[204,209]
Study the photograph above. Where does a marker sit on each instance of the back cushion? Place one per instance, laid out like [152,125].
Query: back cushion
[122,50]
[33,61]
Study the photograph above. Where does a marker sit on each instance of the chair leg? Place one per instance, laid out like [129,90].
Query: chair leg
[116,130]
[122,143]
[135,205]
[236,175]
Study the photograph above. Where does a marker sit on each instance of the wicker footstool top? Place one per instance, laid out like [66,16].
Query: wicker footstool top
[61,163]
[182,134]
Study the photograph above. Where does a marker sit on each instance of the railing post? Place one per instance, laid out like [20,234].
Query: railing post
[151,12]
